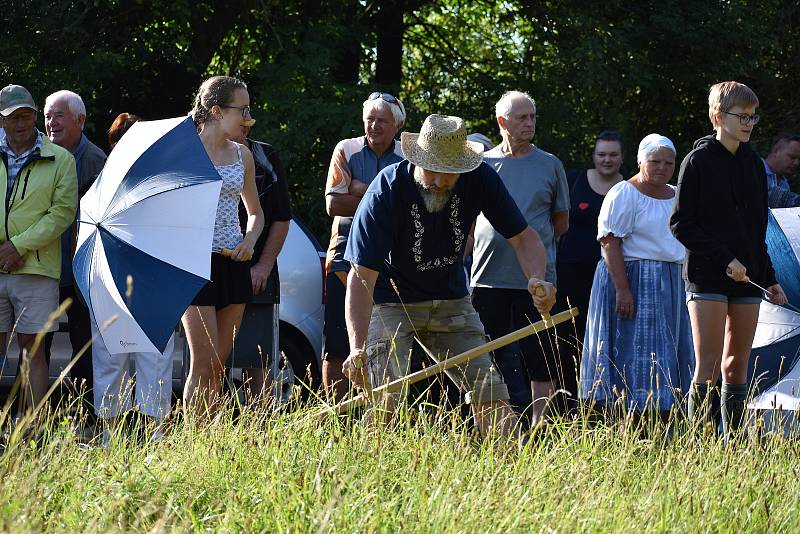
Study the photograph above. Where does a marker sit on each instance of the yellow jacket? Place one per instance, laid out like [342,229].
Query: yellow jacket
[39,208]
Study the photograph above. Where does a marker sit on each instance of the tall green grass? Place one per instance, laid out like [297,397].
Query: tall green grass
[294,472]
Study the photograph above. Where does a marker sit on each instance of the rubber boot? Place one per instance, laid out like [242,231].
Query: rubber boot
[734,404]
[700,409]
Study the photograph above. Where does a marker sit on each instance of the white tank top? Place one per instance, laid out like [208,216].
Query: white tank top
[227,232]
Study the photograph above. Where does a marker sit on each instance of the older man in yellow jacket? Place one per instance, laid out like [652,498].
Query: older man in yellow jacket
[38,186]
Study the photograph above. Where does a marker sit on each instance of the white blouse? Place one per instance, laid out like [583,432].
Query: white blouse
[642,222]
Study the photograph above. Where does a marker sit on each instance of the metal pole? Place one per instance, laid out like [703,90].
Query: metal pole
[275,354]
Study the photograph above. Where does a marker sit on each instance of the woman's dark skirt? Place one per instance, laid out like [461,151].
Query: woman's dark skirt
[230,283]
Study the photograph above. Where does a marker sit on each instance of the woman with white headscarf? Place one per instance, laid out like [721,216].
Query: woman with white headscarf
[638,346]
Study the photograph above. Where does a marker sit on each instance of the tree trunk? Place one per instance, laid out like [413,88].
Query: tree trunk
[390,28]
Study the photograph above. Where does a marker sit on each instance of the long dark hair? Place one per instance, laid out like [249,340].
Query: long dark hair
[215,91]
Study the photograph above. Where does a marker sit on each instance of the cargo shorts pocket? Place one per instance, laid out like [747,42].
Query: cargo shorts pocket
[378,362]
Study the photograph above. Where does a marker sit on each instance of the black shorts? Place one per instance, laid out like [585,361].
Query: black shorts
[335,343]
[230,283]
[505,310]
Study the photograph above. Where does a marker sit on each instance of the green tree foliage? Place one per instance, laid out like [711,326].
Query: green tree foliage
[637,67]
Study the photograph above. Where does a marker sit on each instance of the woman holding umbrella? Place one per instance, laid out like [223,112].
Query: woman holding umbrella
[221,109]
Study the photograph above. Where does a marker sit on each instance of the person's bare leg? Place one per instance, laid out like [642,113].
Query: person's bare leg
[495,418]
[34,372]
[202,384]
[740,329]
[739,332]
[708,334]
[229,319]
[541,393]
[336,384]
[258,382]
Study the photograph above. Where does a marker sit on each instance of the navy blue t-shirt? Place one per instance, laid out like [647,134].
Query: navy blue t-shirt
[421,252]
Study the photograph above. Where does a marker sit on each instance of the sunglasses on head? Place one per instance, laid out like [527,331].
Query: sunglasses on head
[385,96]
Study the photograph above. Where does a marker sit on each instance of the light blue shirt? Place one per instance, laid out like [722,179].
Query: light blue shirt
[774,179]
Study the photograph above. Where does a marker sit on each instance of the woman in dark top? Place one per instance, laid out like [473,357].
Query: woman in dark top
[720,216]
[578,249]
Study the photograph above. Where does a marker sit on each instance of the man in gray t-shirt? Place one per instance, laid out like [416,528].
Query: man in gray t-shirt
[537,182]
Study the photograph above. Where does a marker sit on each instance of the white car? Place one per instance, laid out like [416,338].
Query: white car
[301,314]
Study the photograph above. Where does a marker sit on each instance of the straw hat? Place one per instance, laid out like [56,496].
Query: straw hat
[442,146]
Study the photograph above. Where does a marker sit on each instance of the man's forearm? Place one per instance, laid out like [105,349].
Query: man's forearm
[358,306]
[560,221]
[275,240]
[342,204]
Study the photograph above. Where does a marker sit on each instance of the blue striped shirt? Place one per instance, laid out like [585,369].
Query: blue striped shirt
[15,162]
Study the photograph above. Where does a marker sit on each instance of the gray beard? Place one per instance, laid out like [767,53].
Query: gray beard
[434,202]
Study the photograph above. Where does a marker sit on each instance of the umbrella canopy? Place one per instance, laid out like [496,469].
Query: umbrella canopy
[145,234]
[775,358]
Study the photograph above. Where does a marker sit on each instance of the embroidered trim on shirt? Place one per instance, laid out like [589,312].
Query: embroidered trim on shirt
[458,238]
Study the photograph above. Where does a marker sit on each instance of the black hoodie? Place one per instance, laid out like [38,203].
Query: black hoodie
[720,213]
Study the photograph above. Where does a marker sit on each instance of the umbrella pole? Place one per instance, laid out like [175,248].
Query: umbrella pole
[275,360]
[459,359]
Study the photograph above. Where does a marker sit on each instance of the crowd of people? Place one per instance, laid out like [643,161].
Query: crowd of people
[439,240]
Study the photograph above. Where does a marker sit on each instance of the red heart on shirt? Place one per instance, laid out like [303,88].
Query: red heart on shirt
[583,205]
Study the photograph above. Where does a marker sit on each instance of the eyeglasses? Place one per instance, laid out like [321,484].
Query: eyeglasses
[386,96]
[245,109]
[745,119]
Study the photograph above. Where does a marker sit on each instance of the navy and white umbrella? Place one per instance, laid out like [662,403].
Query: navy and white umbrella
[145,233]
[775,358]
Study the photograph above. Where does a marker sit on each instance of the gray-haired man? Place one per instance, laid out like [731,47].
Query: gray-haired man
[354,164]
[64,119]
[538,184]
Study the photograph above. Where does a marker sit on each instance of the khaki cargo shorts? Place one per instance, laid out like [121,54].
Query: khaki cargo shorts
[26,302]
[446,328]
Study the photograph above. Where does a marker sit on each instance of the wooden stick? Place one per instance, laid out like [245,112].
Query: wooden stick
[459,359]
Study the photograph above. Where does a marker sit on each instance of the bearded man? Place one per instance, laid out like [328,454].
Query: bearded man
[406,249]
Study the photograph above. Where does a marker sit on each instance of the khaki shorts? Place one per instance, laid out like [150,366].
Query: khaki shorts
[26,302]
[446,328]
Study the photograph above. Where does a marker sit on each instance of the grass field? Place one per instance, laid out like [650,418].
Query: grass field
[295,473]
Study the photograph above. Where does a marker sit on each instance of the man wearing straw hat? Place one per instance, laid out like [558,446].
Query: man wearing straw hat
[406,249]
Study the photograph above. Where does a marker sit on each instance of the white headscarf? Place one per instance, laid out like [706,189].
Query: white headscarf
[650,144]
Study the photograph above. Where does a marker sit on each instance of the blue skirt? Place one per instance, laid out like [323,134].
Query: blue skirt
[650,358]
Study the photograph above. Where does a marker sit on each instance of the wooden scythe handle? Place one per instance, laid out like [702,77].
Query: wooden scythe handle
[459,359]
